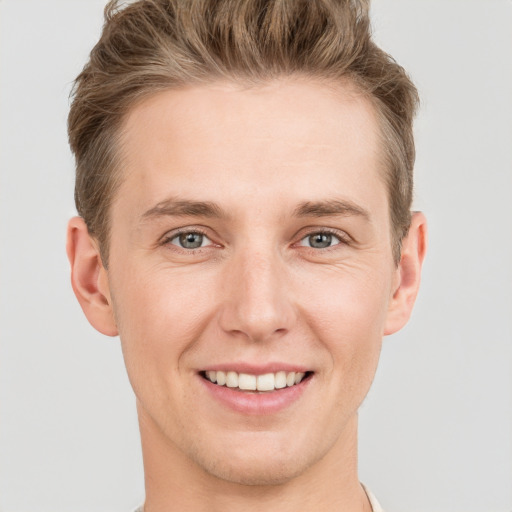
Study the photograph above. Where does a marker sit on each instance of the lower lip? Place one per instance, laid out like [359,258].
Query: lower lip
[254,403]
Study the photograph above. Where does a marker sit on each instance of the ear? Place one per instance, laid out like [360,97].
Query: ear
[414,246]
[89,278]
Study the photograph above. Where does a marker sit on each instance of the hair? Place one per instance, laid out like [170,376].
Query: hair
[152,45]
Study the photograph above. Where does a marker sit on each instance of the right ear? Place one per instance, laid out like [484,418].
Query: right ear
[89,278]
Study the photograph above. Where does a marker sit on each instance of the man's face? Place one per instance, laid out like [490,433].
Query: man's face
[251,235]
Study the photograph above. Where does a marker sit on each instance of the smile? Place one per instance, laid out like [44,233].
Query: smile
[249,382]
[252,390]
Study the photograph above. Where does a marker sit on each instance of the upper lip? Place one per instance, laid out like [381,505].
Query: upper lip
[256,369]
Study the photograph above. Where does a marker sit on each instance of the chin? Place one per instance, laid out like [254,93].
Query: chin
[260,465]
[254,473]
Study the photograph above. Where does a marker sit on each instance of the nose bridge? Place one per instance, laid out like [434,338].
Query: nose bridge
[258,300]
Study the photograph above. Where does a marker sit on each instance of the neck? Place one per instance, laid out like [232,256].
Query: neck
[174,482]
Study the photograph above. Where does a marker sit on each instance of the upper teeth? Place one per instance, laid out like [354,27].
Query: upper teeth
[246,381]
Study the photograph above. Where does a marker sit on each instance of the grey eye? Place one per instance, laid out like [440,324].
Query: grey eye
[191,240]
[320,240]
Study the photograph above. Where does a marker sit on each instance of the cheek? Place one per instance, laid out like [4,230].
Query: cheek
[348,300]
[159,301]
[347,316]
[160,315]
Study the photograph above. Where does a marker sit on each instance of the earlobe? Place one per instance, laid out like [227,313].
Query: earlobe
[413,252]
[89,278]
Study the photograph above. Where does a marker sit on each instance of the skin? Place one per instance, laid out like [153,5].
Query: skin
[280,162]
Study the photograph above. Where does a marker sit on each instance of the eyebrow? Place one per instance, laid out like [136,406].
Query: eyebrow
[208,209]
[330,208]
[184,208]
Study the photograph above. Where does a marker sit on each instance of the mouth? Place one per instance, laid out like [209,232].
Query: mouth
[257,391]
[246,382]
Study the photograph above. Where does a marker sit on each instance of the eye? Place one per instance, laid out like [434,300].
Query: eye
[320,240]
[190,240]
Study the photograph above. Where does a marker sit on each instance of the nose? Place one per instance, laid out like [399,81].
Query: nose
[257,301]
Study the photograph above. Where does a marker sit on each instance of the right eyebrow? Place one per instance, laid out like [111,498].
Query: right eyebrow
[184,208]
[331,208]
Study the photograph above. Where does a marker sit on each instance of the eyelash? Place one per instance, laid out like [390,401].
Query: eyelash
[342,237]
[343,240]
[168,238]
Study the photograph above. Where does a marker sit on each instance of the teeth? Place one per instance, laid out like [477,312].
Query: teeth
[245,381]
[280,380]
[298,377]
[266,382]
[232,380]
[221,378]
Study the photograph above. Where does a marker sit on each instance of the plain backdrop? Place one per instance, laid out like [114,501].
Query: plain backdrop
[436,429]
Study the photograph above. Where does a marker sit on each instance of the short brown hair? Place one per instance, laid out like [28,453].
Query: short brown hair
[153,45]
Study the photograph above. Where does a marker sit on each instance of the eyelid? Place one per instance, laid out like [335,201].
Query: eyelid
[173,233]
[176,240]
[170,235]
[343,236]
[303,242]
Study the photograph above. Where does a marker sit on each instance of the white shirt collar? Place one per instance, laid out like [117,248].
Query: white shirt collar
[373,500]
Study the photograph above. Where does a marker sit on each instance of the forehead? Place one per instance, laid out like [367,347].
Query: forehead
[280,140]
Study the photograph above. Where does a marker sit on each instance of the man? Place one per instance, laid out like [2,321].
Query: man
[244,185]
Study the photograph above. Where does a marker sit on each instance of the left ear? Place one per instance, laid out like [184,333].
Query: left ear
[89,278]
[414,246]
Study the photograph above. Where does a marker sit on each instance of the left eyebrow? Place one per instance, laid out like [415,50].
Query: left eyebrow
[330,208]
[184,208]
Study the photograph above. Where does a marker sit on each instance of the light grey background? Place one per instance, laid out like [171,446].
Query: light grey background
[436,429]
